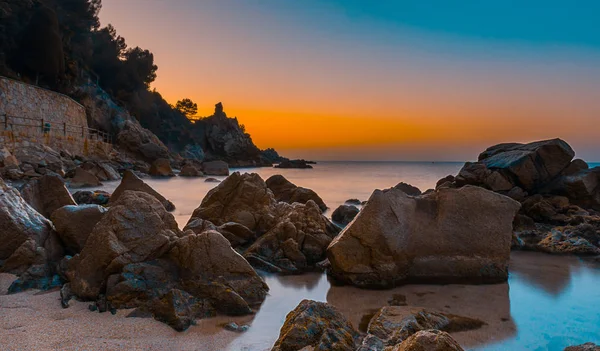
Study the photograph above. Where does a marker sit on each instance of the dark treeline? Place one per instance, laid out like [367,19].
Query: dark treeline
[59,44]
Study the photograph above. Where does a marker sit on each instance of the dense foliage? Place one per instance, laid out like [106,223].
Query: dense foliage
[59,44]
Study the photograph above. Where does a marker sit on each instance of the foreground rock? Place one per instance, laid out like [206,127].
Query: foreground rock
[286,191]
[29,244]
[394,325]
[318,326]
[75,223]
[47,194]
[291,238]
[450,235]
[137,228]
[344,214]
[429,340]
[96,197]
[131,182]
[585,347]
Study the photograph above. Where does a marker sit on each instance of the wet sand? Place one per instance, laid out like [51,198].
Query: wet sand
[35,320]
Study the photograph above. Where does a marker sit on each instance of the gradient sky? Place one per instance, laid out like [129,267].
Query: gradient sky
[380,80]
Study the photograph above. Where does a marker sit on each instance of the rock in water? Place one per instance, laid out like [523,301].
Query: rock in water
[344,214]
[317,325]
[585,347]
[286,191]
[161,168]
[449,235]
[189,170]
[84,179]
[96,197]
[134,183]
[408,189]
[75,223]
[240,198]
[137,228]
[429,340]
[47,194]
[215,168]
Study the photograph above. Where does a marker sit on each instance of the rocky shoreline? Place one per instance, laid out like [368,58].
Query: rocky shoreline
[125,251]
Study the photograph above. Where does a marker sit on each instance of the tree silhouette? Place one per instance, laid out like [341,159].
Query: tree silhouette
[187,107]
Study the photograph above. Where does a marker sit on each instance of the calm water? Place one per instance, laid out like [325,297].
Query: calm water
[549,302]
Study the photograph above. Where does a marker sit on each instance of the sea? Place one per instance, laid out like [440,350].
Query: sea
[548,303]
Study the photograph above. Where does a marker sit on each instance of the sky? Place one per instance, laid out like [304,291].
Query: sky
[408,80]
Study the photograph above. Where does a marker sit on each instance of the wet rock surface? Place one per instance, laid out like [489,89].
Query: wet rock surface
[344,214]
[132,182]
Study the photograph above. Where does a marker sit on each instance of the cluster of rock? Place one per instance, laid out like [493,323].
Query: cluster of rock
[320,326]
[272,235]
[560,196]
[302,164]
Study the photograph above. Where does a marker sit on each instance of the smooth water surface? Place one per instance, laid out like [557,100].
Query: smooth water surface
[549,302]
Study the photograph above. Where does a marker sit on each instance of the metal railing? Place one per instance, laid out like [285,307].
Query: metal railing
[44,127]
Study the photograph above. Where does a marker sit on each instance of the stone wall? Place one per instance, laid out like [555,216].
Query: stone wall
[29,114]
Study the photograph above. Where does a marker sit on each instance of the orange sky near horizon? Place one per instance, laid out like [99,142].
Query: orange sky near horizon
[311,95]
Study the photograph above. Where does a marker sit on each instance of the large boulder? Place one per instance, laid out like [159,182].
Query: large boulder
[529,165]
[102,170]
[210,268]
[84,179]
[316,326]
[190,170]
[344,214]
[286,191]
[47,194]
[132,182]
[449,235]
[296,243]
[161,168]
[240,198]
[75,223]
[215,168]
[140,141]
[30,247]
[137,228]
[429,340]
[87,197]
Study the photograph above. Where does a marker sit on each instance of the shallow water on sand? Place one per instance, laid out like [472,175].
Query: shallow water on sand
[549,302]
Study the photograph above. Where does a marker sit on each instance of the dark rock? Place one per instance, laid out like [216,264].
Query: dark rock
[189,170]
[408,189]
[215,168]
[317,325]
[161,168]
[584,347]
[47,194]
[302,164]
[179,309]
[84,179]
[212,180]
[344,214]
[96,197]
[286,191]
[131,182]
[102,170]
[355,202]
[75,223]
[141,142]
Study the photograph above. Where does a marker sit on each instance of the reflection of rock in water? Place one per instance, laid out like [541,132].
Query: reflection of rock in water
[489,303]
[549,272]
[308,280]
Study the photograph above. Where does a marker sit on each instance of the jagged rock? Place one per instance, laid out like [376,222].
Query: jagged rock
[215,168]
[395,324]
[271,155]
[96,197]
[84,179]
[571,240]
[355,202]
[47,194]
[299,239]
[38,156]
[397,237]
[132,182]
[584,347]
[344,214]
[408,189]
[445,181]
[210,268]
[286,191]
[582,187]
[240,198]
[102,170]
[302,164]
[190,170]
[237,234]
[7,159]
[75,223]
[141,142]
[318,326]
[161,168]
[179,309]
[429,340]
[137,228]
[29,243]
